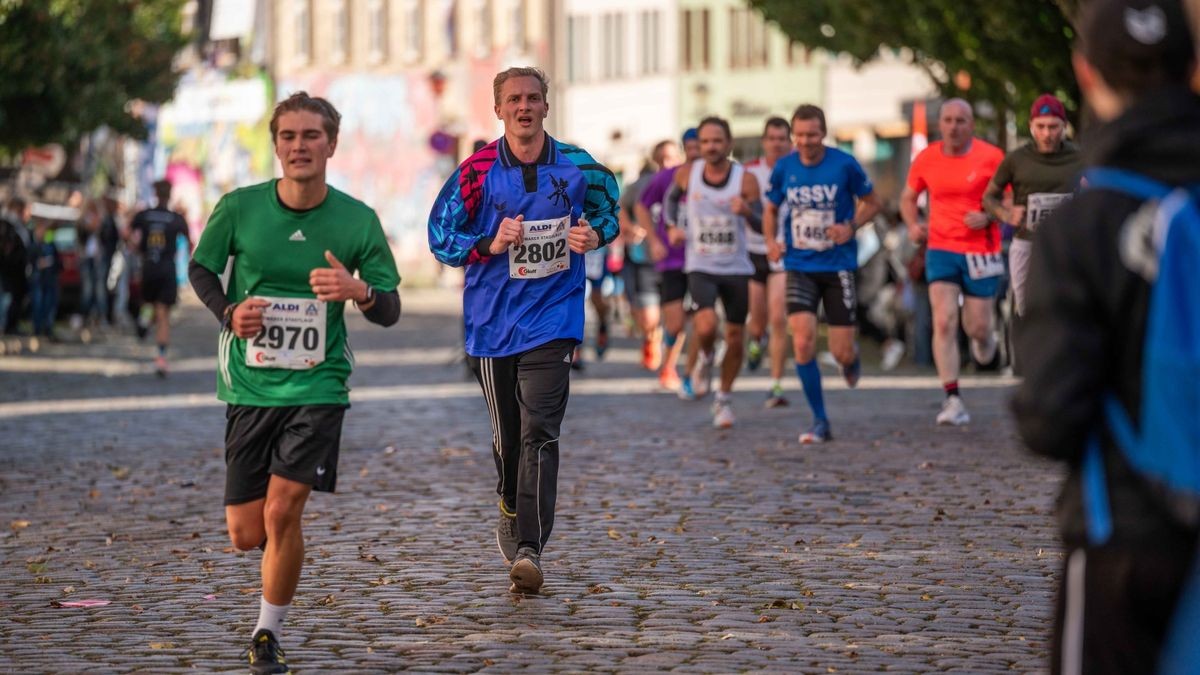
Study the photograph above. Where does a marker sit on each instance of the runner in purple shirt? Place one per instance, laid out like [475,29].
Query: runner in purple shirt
[668,260]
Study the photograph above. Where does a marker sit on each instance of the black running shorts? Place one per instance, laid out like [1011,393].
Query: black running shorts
[160,290]
[672,286]
[733,290]
[806,291]
[299,443]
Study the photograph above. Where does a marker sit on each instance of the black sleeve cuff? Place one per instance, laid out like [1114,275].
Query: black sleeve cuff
[600,234]
[484,246]
[386,309]
[208,288]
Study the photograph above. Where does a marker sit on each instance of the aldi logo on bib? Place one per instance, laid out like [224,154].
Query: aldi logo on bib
[312,310]
[282,307]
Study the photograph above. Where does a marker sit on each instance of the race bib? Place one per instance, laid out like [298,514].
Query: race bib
[810,229]
[293,335]
[1039,207]
[985,265]
[543,252]
[716,235]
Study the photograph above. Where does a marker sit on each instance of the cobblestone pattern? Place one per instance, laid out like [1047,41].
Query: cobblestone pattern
[900,547]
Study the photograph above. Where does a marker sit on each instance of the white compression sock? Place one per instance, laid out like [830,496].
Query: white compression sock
[271,617]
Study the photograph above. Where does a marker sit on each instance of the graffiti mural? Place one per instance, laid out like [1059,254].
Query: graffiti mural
[383,155]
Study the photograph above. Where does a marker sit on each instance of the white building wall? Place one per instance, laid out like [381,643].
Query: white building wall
[618,118]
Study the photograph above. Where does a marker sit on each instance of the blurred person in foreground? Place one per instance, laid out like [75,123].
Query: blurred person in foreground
[1130,540]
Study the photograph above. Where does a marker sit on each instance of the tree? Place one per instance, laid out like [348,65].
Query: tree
[68,67]
[1012,50]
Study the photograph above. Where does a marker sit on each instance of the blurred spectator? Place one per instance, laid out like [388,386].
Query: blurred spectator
[93,299]
[47,265]
[14,263]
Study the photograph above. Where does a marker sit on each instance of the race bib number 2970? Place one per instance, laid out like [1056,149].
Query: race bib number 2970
[293,335]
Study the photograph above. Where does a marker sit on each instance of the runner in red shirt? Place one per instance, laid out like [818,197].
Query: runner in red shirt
[964,244]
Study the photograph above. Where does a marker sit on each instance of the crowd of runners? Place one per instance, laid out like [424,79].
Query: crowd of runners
[753,255]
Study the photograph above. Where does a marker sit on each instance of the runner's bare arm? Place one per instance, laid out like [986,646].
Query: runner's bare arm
[917,230]
[868,207]
[751,202]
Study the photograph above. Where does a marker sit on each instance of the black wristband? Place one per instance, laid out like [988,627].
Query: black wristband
[370,297]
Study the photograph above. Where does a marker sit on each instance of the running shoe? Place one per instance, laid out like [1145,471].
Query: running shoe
[892,353]
[160,366]
[601,341]
[651,355]
[987,356]
[526,573]
[506,534]
[669,380]
[819,433]
[954,412]
[723,417]
[775,398]
[686,392]
[702,375]
[265,654]
[754,354]
[852,372]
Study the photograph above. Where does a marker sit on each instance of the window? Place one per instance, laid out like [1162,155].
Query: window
[694,39]
[414,33]
[340,15]
[578,46]
[377,30]
[612,45]
[748,39]
[649,25]
[483,27]
[516,25]
[302,25]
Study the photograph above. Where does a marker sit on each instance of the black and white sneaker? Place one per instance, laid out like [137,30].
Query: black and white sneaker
[265,654]
[526,573]
[506,534]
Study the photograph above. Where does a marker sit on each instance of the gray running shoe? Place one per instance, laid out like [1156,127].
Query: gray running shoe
[526,573]
[506,535]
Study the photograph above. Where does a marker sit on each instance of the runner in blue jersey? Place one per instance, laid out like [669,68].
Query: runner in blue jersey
[819,196]
[519,215]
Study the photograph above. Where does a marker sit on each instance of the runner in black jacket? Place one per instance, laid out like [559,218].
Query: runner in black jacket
[1086,317]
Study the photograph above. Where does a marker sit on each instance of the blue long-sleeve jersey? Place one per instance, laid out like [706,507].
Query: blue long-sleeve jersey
[503,315]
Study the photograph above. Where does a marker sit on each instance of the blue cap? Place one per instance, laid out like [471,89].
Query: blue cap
[692,134]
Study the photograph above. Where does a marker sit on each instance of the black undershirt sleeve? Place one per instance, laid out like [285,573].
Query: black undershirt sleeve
[208,288]
[386,310]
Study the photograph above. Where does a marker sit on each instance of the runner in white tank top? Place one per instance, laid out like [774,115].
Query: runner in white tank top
[717,191]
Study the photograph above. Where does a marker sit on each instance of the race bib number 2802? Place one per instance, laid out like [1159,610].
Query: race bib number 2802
[544,250]
[293,335]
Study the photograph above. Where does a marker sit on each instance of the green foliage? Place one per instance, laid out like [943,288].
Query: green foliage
[70,66]
[1013,50]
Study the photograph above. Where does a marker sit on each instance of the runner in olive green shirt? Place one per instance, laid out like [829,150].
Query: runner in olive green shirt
[1043,174]
[283,355]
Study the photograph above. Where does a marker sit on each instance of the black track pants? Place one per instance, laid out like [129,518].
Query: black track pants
[526,397]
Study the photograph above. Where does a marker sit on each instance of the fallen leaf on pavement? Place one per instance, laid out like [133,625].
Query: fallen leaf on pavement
[80,603]
[19,524]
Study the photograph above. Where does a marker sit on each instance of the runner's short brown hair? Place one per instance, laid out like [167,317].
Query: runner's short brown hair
[300,100]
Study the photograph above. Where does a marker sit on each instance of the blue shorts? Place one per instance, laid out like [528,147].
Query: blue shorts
[954,268]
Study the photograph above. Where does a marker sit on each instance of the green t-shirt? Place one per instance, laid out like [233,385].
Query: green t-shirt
[1033,173]
[273,250]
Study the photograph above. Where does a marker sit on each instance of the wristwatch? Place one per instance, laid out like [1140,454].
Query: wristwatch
[370,297]
[227,317]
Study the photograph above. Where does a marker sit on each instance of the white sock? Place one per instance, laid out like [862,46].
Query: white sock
[271,617]
[723,395]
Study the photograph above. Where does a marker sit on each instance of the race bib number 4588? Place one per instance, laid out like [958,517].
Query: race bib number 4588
[293,335]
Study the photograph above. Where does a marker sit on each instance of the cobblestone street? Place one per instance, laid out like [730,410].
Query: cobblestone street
[898,547]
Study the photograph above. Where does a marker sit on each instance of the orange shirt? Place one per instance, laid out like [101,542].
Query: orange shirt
[956,186]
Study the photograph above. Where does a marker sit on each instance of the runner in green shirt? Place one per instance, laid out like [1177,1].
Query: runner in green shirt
[284,357]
